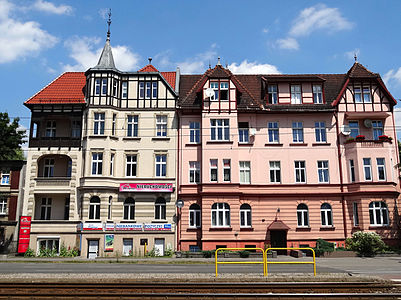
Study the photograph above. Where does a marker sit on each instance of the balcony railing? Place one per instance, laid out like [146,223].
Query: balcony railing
[55,142]
[53,181]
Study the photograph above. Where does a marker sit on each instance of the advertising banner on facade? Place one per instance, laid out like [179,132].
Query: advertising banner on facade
[24,233]
[146,187]
[157,227]
[108,242]
[129,227]
[109,226]
[92,226]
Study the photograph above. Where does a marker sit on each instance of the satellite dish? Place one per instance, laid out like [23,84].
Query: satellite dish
[209,93]
[345,130]
[367,123]
[179,203]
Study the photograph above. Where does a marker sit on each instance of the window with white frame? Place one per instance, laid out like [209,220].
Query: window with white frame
[5,177]
[161,125]
[377,127]
[109,208]
[245,215]
[303,215]
[320,132]
[378,213]
[115,88]
[243,132]
[297,132]
[97,86]
[354,126]
[213,170]
[219,129]
[220,215]
[97,163]
[357,95]
[45,208]
[245,172]
[124,89]
[224,91]
[381,169]
[48,167]
[296,94]
[275,171]
[113,125]
[129,209]
[52,244]
[160,209]
[367,169]
[215,87]
[317,94]
[147,90]
[35,129]
[112,155]
[352,170]
[132,126]
[98,124]
[194,172]
[227,170]
[326,214]
[355,213]
[131,160]
[104,86]
[300,171]
[94,208]
[51,128]
[194,132]
[161,165]
[154,90]
[272,132]
[194,216]
[76,129]
[323,171]
[141,90]
[366,95]
[3,205]
[272,94]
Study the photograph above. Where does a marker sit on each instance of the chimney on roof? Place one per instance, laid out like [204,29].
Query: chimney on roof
[150,60]
[177,80]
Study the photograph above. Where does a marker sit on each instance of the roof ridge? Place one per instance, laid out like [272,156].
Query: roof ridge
[150,66]
[47,86]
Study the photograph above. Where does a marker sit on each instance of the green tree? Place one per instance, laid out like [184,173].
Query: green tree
[10,138]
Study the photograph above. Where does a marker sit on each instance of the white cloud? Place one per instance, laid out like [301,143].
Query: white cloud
[265,30]
[319,17]
[200,62]
[351,54]
[20,39]
[392,77]
[397,120]
[49,7]
[288,43]
[246,67]
[86,52]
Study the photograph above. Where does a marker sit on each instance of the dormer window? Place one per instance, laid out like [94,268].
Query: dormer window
[296,94]
[366,95]
[220,90]
[224,91]
[272,94]
[357,95]
[215,87]
[317,94]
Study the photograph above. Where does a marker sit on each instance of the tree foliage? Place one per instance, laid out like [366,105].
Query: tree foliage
[10,138]
[365,243]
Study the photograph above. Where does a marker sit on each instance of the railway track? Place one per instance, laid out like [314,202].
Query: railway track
[201,290]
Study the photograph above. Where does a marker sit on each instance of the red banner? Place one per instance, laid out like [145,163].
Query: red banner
[24,233]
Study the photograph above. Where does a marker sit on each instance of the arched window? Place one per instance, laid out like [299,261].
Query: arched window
[160,209]
[303,215]
[245,215]
[194,216]
[94,208]
[129,209]
[326,214]
[378,213]
[220,215]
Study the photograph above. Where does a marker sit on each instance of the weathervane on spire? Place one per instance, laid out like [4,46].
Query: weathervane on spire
[108,25]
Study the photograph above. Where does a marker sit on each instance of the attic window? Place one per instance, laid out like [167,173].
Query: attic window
[220,90]
[224,91]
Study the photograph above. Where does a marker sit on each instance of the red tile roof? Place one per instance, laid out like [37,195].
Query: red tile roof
[148,68]
[68,88]
[170,78]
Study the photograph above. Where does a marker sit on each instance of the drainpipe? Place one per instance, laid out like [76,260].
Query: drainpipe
[178,231]
[340,166]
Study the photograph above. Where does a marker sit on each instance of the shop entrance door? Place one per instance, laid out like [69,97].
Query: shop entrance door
[93,248]
[159,247]
[278,239]
[127,247]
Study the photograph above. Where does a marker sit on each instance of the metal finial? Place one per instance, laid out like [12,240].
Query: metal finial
[108,24]
[355,57]
[218,61]
[150,60]
[210,66]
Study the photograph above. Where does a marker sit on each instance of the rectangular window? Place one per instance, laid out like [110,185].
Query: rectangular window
[224,91]
[377,127]
[141,90]
[243,132]
[354,126]
[215,87]
[115,88]
[297,132]
[300,171]
[194,172]
[104,87]
[357,95]
[97,163]
[381,169]
[5,177]
[226,170]
[317,94]
[296,94]
[323,171]
[154,90]
[147,92]
[275,171]
[355,214]
[213,170]
[220,129]
[352,170]
[48,168]
[131,166]
[272,94]
[272,132]
[49,244]
[161,165]
[97,87]
[124,89]
[245,172]
[367,169]
[34,130]
[98,128]
[3,206]
[45,208]
[194,132]
[366,95]
[320,132]
[112,164]
[76,129]
[113,125]
[132,126]
[161,126]
[51,129]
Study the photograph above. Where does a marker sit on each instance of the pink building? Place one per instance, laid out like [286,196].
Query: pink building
[284,160]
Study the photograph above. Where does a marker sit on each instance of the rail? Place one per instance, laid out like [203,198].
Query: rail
[290,262]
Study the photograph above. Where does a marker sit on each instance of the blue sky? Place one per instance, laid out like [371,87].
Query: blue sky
[40,39]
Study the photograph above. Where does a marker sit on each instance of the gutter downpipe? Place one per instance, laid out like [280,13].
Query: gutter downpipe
[178,183]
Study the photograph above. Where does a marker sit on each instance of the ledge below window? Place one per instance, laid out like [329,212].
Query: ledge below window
[192,144]
[160,138]
[372,227]
[220,229]
[298,144]
[245,144]
[127,221]
[97,136]
[327,228]
[131,138]
[159,221]
[273,145]
[219,142]
[321,144]
[193,229]
[246,229]
[303,229]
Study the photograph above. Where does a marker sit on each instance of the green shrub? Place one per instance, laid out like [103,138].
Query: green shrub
[323,246]
[151,253]
[365,243]
[243,253]
[207,253]
[168,252]
[29,253]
